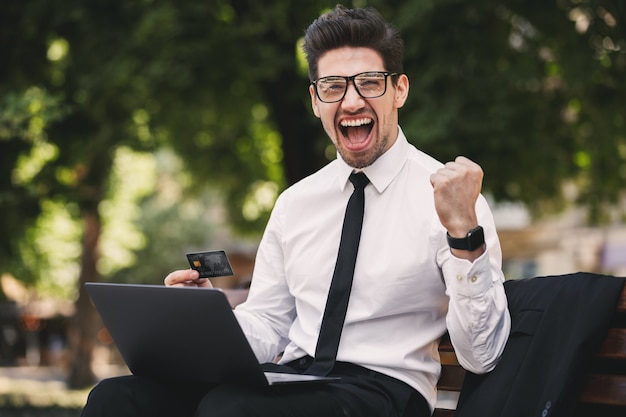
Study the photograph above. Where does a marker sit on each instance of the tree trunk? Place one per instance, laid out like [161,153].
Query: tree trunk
[84,325]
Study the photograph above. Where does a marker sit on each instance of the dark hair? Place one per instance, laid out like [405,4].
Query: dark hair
[356,28]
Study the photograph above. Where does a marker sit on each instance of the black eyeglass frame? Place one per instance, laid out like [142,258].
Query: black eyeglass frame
[386,74]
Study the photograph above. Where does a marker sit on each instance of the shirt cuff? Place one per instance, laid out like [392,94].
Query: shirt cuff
[466,278]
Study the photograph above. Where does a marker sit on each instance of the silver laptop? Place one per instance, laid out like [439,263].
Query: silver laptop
[181,333]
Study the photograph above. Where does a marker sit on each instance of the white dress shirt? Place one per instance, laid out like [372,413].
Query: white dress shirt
[408,288]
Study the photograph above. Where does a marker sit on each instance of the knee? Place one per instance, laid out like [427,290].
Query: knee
[108,388]
[106,392]
[228,401]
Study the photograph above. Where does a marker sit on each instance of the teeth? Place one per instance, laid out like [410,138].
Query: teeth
[357,122]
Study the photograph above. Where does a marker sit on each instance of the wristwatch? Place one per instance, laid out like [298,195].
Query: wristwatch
[474,239]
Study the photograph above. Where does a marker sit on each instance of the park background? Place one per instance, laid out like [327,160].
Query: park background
[132,132]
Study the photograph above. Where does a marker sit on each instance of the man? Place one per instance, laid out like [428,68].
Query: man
[428,258]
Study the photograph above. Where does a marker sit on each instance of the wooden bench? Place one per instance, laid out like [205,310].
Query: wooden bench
[604,391]
[603,394]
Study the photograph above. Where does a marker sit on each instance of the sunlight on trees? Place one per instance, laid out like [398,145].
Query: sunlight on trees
[28,166]
[58,49]
[260,199]
[52,250]
[141,119]
[133,178]
[25,114]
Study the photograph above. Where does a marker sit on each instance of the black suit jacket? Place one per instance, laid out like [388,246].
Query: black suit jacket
[557,325]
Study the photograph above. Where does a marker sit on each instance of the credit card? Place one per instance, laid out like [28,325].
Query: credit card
[210,264]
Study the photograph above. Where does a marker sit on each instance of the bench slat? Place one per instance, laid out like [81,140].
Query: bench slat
[605,389]
[442,412]
[621,303]
[614,345]
[448,358]
[451,378]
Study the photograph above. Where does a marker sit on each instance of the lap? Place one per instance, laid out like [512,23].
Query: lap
[355,395]
[284,401]
[134,396]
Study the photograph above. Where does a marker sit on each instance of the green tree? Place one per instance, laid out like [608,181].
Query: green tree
[141,75]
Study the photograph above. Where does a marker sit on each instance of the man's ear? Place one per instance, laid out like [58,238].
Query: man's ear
[402,90]
[316,110]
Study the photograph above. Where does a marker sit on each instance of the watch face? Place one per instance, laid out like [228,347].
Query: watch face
[476,238]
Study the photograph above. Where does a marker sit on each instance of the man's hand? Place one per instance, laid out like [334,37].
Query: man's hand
[456,188]
[186,278]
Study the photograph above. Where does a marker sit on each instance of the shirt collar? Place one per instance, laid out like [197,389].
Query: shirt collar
[382,172]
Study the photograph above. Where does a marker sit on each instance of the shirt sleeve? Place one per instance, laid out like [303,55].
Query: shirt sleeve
[269,311]
[478,319]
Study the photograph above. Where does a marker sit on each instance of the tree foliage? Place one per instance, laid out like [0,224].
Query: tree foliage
[531,90]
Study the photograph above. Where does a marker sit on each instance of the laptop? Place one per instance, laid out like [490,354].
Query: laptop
[182,333]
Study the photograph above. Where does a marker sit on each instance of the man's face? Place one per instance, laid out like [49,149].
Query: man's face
[362,129]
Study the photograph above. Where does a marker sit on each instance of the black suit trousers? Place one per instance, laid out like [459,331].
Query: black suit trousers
[360,392]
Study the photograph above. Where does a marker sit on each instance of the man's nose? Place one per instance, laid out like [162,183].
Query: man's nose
[352,96]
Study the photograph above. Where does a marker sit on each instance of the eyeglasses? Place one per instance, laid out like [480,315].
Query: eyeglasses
[369,84]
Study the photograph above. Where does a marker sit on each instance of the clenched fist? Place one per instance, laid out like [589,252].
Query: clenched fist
[456,187]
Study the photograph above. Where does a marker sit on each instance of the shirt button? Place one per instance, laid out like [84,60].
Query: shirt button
[474,278]
[459,277]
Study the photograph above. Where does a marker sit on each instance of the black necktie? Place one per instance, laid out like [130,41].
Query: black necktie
[339,293]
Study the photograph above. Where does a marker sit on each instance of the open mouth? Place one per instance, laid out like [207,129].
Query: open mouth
[357,131]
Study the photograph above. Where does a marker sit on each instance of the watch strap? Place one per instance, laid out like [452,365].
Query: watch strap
[474,239]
